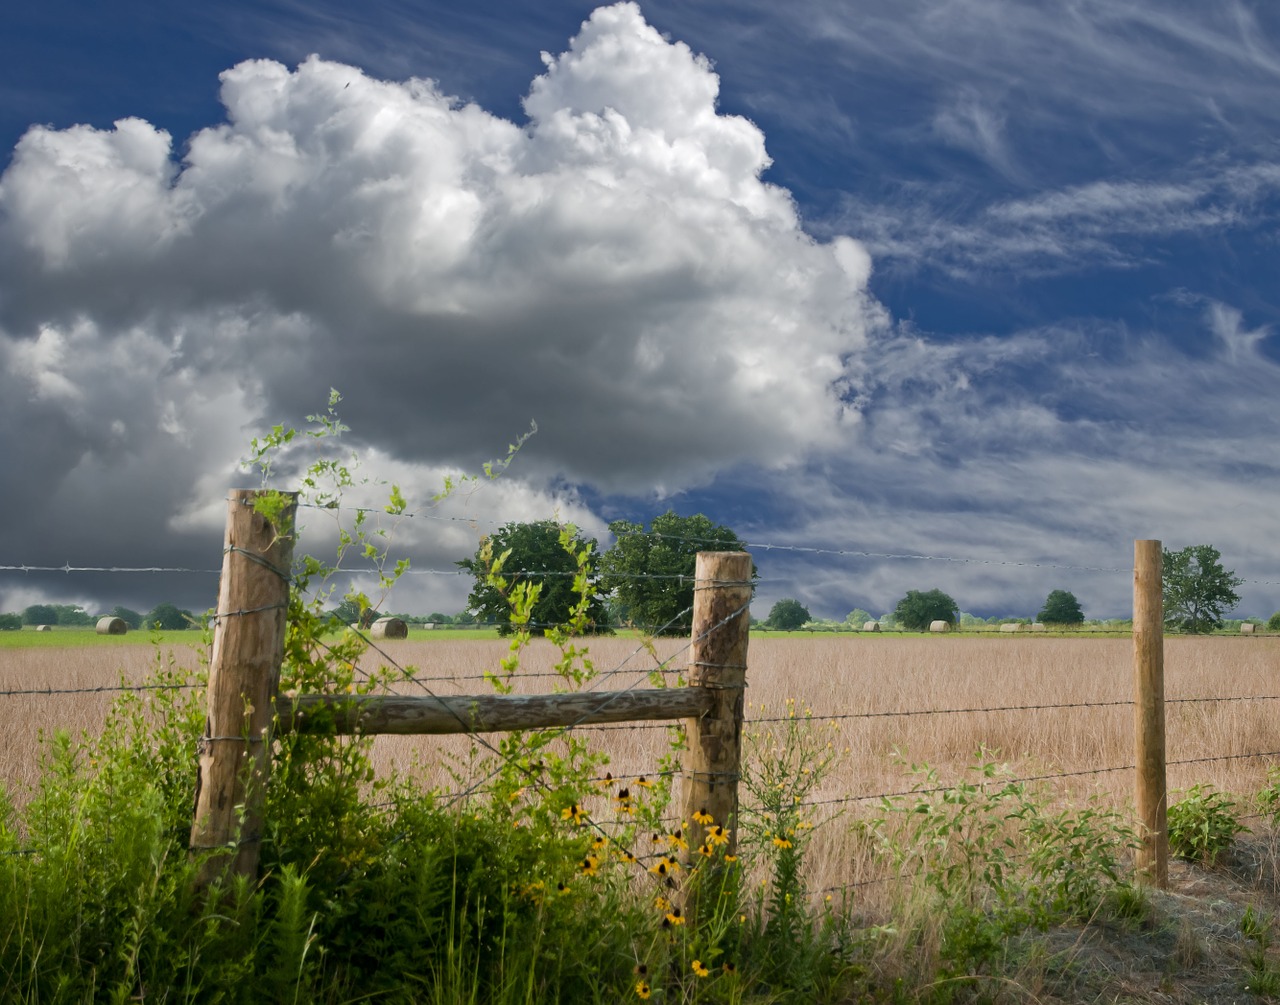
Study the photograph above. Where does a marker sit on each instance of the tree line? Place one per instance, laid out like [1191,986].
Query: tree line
[164,616]
[1197,592]
[646,579]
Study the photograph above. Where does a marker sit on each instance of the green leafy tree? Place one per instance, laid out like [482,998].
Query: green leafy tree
[1197,589]
[917,610]
[10,622]
[1061,608]
[436,618]
[73,615]
[168,618]
[352,612]
[131,618]
[787,615]
[650,573]
[534,570]
[40,614]
[858,617]
[1273,623]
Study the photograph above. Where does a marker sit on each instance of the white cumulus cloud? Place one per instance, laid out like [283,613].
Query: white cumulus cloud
[616,268]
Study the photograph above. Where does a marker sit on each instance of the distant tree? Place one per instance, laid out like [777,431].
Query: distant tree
[1197,589]
[436,618]
[349,612]
[1061,608]
[168,618]
[73,615]
[10,622]
[464,618]
[534,554]
[649,573]
[131,618]
[40,614]
[858,617]
[1273,622]
[787,615]
[917,610]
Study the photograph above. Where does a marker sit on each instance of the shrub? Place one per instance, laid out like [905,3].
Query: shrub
[1203,825]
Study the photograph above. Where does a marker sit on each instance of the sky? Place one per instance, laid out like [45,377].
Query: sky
[964,295]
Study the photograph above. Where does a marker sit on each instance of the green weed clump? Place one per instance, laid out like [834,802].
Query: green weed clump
[1203,825]
[986,858]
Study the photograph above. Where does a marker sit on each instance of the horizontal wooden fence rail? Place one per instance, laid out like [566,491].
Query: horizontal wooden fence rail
[413,715]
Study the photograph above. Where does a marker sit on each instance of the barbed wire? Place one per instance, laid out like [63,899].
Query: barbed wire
[97,690]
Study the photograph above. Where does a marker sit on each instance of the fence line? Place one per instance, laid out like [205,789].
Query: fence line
[578,709]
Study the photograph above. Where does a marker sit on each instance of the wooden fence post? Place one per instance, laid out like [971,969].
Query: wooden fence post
[717,662]
[244,672]
[1151,860]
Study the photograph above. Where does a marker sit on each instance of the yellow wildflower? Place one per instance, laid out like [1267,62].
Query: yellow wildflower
[642,989]
[703,817]
[718,835]
[781,842]
[699,969]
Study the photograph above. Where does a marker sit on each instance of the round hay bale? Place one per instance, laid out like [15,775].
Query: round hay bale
[1039,626]
[1247,628]
[111,626]
[871,626]
[1011,626]
[390,628]
[44,628]
[940,626]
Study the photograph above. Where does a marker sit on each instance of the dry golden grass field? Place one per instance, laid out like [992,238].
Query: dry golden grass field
[858,689]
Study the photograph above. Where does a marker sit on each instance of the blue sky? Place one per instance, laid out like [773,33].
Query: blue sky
[973,279]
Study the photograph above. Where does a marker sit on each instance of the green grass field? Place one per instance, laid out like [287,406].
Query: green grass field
[67,638]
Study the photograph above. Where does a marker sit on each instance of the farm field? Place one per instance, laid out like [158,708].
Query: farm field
[880,702]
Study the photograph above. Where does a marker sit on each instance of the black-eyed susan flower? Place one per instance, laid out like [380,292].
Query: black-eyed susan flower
[675,917]
[706,850]
[575,813]
[703,817]
[606,781]
[661,903]
[599,842]
[717,835]
[731,858]
[781,842]
[672,863]
[589,865]
[644,783]
[625,855]
[676,840]
[699,969]
[642,989]
[660,867]
[562,887]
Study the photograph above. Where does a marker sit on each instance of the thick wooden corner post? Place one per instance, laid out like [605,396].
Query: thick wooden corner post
[718,663]
[1151,860]
[244,673]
